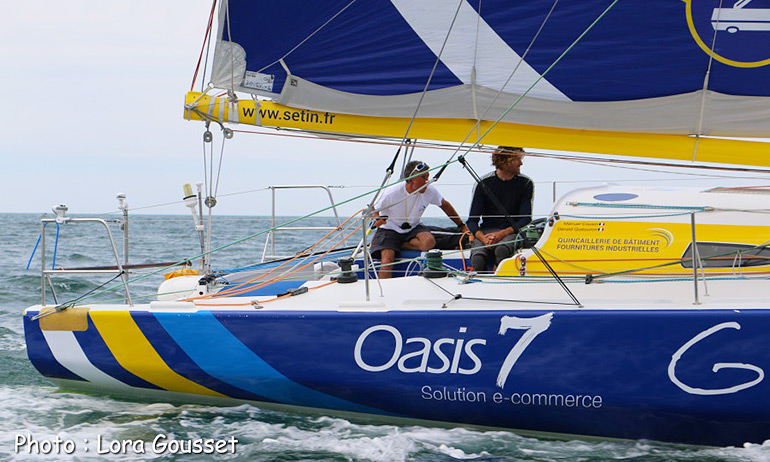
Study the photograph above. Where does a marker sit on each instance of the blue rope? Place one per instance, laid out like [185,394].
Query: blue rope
[39,236]
[273,264]
[55,247]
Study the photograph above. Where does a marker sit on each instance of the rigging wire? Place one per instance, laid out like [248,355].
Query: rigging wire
[706,79]
[236,242]
[244,287]
[71,303]
[208,51]
[603,162]
[219,169]
[308,37]
[521,97]
[409,154]
[480,149]
[232,55]
[205,163]
[459,296]
[474,102]
[512,223]
[477,125]
[206,45]
[389,171]
[639,169]
[432,72]
[543,74]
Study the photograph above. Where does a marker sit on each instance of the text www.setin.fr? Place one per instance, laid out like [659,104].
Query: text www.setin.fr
[295,116]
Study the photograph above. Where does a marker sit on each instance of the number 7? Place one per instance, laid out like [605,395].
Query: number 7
[533,326]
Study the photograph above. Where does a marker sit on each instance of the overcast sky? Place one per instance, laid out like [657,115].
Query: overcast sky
[92,105]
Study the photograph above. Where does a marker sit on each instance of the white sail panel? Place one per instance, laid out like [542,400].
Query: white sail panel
[473,50]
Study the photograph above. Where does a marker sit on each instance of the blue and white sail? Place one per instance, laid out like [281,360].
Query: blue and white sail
[606,70]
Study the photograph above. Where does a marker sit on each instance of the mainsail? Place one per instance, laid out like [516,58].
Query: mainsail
[660,78]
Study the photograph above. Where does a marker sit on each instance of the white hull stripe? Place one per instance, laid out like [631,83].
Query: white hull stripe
[68,353]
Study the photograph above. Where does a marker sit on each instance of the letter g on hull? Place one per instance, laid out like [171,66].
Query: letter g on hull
[717,366]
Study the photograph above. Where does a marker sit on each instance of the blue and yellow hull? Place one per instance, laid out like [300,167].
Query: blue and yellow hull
[692,376]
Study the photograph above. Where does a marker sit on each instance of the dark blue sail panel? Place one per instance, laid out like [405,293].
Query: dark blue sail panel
[637,50]
[367,49]
[648,61]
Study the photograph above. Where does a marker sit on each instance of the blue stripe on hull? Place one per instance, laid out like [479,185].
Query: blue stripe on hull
[180,362]
[101,357]
[222,355]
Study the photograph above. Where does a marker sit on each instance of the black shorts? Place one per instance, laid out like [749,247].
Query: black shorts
[389,239]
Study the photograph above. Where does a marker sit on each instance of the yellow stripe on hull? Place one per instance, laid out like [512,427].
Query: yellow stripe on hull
[650,145]
[135,353]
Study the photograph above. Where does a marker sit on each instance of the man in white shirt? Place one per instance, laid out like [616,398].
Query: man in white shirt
[399,211]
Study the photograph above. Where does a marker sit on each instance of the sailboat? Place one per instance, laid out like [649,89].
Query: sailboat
[639,313]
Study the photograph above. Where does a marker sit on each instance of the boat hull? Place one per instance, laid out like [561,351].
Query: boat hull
[691,376]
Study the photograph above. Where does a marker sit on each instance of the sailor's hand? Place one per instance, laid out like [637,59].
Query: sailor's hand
[493,238]
[465,230]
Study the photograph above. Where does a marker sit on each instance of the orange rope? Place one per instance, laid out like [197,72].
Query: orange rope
[244,286]
[262,301]
[462,253]
[244,289]
[203,47]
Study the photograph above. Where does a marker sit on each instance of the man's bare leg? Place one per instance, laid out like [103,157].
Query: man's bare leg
[387,256]
[422,242]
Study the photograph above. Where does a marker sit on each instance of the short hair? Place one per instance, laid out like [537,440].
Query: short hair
[503,153]
[413,167]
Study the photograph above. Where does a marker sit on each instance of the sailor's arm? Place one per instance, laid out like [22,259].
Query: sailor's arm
[454,216]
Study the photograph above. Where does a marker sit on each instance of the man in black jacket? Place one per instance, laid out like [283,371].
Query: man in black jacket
[495,233]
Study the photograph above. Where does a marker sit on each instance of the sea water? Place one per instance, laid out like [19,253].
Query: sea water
[40,422]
